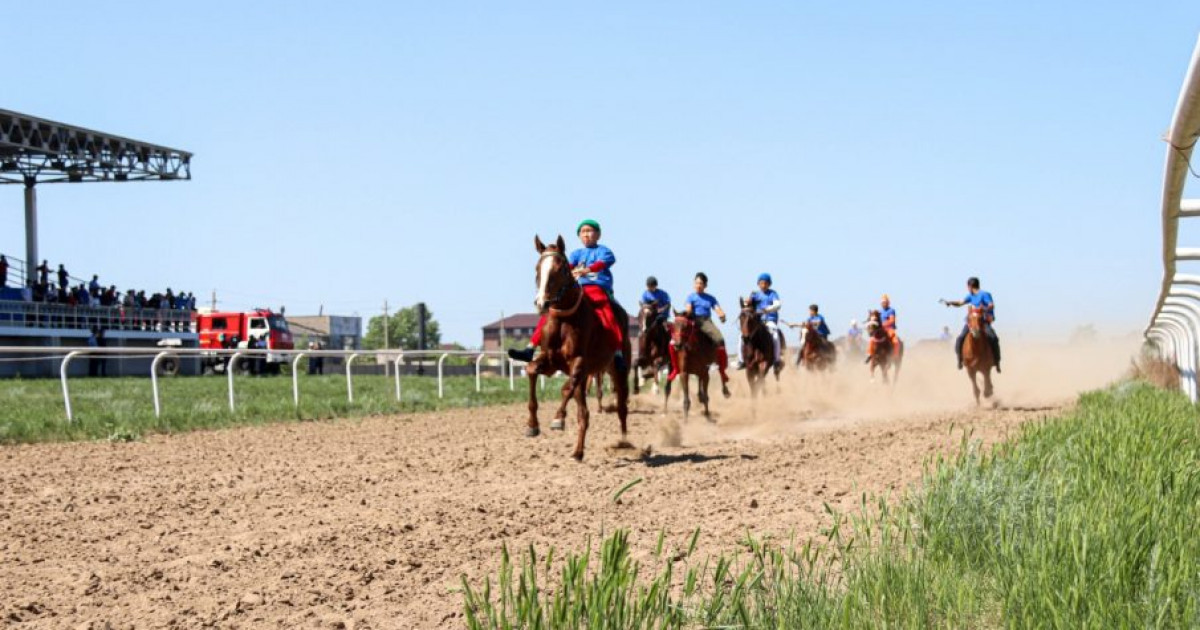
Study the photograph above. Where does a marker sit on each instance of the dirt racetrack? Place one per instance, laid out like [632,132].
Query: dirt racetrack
[369,524]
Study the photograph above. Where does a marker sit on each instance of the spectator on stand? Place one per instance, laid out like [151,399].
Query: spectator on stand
[94,286]
[44,275]
[63,277]
[3,271]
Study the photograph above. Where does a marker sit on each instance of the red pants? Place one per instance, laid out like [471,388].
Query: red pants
[608,321]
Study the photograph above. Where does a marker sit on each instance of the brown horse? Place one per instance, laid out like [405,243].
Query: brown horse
[758,350]
[695,354]
[574,342]
[977,352]
[818,353]
[885,356]
[654,348]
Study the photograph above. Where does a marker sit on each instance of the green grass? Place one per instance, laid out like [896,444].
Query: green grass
[122,409]
[1091,520]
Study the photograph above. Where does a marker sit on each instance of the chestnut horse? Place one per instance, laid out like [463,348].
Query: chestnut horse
[758,350]
[574,342]
[885,356]
[694,354]
[818,353]
[654,348]
[977,352]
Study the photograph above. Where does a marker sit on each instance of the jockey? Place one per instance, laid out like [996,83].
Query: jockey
[887,318]
[855,333]
[767,305]
[656,297]
[590,265]
[818,320]
[701,306]
[981,300]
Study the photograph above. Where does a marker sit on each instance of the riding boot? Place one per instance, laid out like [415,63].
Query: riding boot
[525,355]
[619,361]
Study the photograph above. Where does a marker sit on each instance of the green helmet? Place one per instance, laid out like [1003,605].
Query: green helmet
[590,223]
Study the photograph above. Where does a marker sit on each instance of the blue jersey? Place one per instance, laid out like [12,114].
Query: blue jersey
[588,256]
[702,304]
[762,300]
[658,297]
[819,321]
[983,300]
[885,314]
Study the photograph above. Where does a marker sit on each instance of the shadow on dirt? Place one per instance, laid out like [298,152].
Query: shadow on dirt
[658,460]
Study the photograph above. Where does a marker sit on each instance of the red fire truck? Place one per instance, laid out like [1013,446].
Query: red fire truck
[223,329]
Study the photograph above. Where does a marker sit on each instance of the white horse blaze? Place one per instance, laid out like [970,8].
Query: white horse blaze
[543,278]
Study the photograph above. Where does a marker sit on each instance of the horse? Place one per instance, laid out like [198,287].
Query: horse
[884,355]
[694,354]
[574,342]
[654,349]
[977,352]
[758,349]
[818,353]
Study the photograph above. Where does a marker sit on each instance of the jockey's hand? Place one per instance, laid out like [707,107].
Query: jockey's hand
[580,272]
[722,319]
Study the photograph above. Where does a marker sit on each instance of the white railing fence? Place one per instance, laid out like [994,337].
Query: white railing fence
[1174,328]
[395,358]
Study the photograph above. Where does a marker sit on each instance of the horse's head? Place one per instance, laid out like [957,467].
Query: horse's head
[748,320]
[684,323]
[553,273]
[975,320]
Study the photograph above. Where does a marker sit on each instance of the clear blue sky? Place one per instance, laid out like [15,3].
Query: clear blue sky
[360,151]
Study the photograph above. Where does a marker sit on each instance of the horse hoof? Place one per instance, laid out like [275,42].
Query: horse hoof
[532,432]
[577,456]
[557,425]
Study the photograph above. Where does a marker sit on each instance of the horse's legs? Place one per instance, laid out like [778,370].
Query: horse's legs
[600,392]
[987,384]
[687,399]
[531,429]
[703,394]
[974,384]
[560,416]
[581,409]
[621,385]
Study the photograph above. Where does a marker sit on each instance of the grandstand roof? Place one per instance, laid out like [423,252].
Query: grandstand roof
[37,151]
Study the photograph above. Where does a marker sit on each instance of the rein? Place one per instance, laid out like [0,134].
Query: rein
[558,312]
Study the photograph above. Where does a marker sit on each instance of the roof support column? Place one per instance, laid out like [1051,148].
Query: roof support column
[31,232]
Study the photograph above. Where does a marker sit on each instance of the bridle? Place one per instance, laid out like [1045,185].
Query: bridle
[558,312]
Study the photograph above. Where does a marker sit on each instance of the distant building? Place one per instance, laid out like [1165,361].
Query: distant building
[519,328]
[337,332]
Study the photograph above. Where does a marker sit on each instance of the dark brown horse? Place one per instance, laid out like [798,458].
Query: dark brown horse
[977,352]
[574,342]
[885,355]
[818,353]
[758,350]
[654,349]
[695,354]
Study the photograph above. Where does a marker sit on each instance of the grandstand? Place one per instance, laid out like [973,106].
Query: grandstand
[37,151]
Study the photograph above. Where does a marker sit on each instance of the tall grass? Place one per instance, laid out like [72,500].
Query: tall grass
[31,410]
[1085,521]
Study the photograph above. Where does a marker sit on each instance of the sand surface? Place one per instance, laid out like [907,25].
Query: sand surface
[371,523]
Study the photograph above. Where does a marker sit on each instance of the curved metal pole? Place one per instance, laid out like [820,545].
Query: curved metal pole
[1185,341]
[1190,313]
[1173,331]
[441,359]
[478,379]
[349,378]
[230,368]
[512,375]
[399,360]
[154,381]
[296,378]
[62,373]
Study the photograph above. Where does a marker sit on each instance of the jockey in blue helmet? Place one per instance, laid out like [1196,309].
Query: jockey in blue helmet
[768,309]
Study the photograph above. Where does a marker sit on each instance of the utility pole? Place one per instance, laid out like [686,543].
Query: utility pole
[385,336]
[214,300]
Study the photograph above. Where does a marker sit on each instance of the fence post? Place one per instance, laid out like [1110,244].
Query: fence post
[399,361]
[349,378]
[230,368]
[296,378]
[441,359]
[478,379]
[154,382]
[62,372]
[512,375]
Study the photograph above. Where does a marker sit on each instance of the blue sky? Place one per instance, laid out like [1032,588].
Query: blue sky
[352,153]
